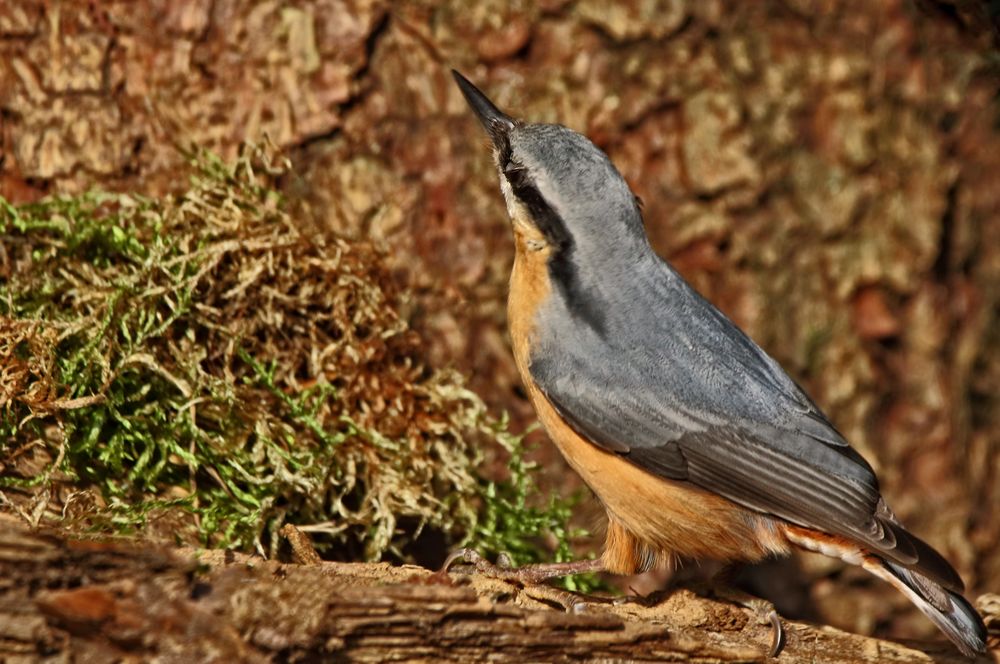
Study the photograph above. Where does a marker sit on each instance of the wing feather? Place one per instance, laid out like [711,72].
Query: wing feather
[702,403]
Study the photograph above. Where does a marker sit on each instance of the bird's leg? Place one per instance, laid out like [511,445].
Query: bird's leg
[529,575]
[526,574]
[722,588]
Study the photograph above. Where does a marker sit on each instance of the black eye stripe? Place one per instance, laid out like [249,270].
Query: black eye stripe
[517,176]
[503,150]
[562,269]
[545,218]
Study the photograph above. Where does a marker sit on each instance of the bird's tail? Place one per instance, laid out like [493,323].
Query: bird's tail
[945,607]
[951,612]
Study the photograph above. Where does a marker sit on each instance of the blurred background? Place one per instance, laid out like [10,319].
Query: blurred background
[826,171]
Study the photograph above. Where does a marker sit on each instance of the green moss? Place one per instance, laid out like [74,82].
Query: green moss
[195,366]
[512,523]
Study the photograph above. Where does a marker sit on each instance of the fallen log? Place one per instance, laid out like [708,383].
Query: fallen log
[99,601]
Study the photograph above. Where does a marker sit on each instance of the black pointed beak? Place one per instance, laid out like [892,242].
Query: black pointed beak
[496,122]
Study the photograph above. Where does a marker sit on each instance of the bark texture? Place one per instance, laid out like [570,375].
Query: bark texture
[827,171]
[71,600]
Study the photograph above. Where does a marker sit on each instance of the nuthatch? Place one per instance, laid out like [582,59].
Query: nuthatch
[693,438]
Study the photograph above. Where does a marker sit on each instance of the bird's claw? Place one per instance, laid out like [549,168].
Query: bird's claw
[465,555]
[504,560]
[763,611]
[503,569]
[777,634]
[766,614]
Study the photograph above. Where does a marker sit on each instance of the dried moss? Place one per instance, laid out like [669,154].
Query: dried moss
[196,362]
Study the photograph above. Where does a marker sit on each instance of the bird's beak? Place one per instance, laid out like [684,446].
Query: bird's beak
[495,121]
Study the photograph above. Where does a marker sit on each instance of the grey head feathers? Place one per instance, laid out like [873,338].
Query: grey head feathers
[577,180]
[568,186]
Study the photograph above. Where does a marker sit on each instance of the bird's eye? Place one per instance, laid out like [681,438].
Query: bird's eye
[516,174]
[504,153]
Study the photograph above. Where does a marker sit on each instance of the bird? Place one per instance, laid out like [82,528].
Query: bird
[695,441]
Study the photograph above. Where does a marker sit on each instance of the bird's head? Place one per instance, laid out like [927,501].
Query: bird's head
[562,192]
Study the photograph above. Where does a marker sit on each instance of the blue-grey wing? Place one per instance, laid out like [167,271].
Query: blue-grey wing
[681,392]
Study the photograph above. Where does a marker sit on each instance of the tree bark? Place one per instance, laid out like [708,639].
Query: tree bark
[67,599]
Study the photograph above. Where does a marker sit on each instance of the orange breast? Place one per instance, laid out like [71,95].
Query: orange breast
[651,520]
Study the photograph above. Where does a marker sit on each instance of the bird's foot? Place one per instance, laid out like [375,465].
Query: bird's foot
[570,602]
[526,575]
[762,610]
[766,613]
